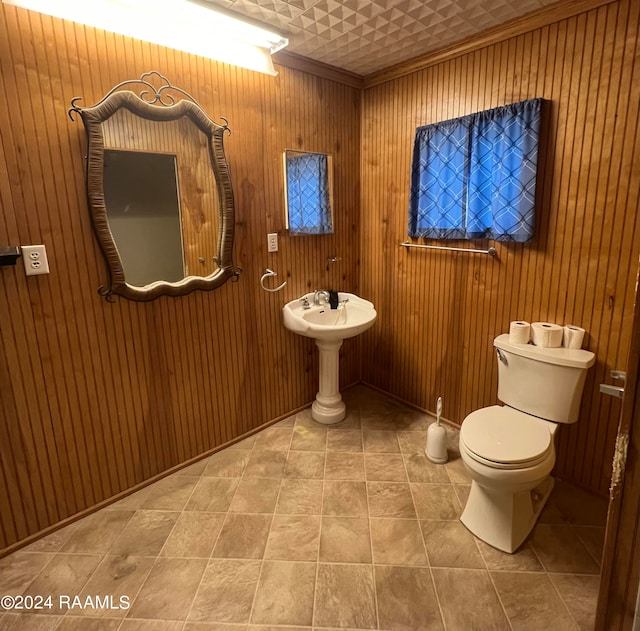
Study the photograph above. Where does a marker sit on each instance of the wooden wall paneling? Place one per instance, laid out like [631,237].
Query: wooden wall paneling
[104,396]
[587,278]
[623,192]
[598,458]
[585,243]
[33,442]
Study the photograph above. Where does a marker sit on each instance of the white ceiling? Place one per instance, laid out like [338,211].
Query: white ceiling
[364,36]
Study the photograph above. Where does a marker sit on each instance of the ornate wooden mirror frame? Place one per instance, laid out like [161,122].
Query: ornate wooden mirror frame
[164,103]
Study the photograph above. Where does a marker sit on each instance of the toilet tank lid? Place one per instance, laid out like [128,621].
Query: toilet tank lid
[574,358]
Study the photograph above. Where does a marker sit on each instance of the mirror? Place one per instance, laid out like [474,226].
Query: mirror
[159,191]
[308,186]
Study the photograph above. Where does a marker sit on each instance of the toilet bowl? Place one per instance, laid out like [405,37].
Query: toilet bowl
[509,455]
[509,450]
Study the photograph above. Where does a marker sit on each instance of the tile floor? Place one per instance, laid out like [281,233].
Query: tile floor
[308,527]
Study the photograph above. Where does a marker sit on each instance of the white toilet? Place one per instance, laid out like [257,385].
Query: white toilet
[509,450]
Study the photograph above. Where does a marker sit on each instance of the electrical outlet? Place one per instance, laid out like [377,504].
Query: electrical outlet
[35,260]
[272,242]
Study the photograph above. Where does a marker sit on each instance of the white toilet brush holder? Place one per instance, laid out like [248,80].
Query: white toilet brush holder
[436,449]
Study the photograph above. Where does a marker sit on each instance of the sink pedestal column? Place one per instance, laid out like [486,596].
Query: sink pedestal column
[328,408]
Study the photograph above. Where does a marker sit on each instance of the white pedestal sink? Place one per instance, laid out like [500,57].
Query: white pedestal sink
[329,327]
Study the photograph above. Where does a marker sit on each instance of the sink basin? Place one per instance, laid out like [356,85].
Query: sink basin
[323,323]
[329,327]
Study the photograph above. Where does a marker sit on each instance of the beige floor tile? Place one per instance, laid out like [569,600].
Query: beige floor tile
[255,496]
[19,569]
[52,542]
[170,493]
[390,499]
[397,542]
[421,469]
[378,422]
[350,421]
[412,442]
[592,538]
[65,574]
[524,559]
[274,439]
[116,576]
[450,544]
[387,467]
[212,495]
[560,550]
[381,413]
[287,422]
[304,419]
[134,501]
[414,421]
[469,601]
[344,466]
[246,443]
[228,463]
[344,440]
[266,464]
[570,505]
[193,535]
[218,626]
[462,493]
[31,622]
[293,538]
[300,497]
[457,472]
[346,499]
[541,609]
[308,465]
[145,534]
[243,537]
[169,590]
[227,592]
[285,594]
[153,625]
[74,623]
[307,439]
[96,533]
[345,540]
[407,600]
[580,595]
[345,597]
[196,469]
[436,501]
[380,441]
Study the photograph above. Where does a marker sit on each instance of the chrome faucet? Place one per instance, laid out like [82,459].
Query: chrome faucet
[321,293]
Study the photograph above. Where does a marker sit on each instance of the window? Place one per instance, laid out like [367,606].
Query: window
[308,192]
[475,177]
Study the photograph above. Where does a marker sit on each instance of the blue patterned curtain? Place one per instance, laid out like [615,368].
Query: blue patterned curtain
[475,177]
[308,194]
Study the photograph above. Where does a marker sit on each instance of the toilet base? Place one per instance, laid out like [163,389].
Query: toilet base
[503,520]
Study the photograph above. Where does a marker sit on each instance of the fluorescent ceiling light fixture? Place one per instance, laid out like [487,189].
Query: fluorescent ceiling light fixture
[187,25]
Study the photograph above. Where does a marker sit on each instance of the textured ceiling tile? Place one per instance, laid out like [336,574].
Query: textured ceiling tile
[364,36]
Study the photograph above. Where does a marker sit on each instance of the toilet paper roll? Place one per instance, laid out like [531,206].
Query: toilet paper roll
[573,336]
[547,335]
[519,332]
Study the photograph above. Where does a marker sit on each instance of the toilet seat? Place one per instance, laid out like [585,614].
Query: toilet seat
[504,438]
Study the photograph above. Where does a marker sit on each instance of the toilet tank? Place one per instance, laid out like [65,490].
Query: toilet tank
[544,382]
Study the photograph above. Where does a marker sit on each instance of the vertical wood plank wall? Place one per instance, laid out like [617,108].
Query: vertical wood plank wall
[96,397]
[439,311]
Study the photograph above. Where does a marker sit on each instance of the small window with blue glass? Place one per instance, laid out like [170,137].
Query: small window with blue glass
[474,177]
[308,192]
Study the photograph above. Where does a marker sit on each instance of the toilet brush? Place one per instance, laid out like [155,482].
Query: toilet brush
[436,449]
